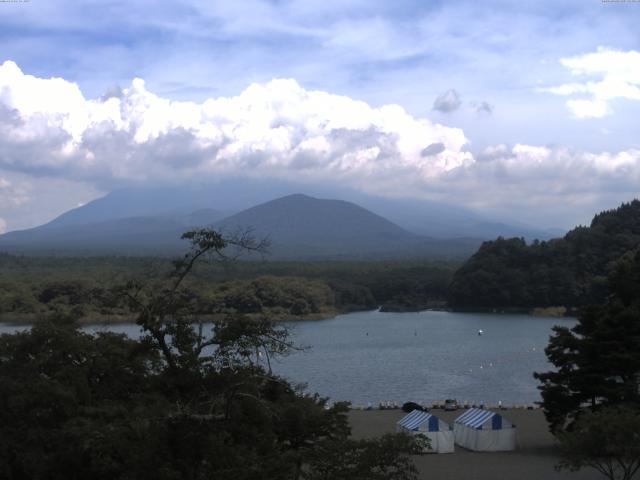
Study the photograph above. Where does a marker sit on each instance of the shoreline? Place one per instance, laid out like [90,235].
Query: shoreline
[26,319]
[438,406]
[30,319]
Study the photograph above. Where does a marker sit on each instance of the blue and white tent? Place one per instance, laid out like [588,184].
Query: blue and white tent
[484,431]
[438,432]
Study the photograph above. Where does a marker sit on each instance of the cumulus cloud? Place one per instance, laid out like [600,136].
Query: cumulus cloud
[48,129]
[448,101]
[274,129]
[543,184]
[618,77]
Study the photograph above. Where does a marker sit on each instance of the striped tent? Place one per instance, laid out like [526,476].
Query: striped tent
[438,432]
[484,431]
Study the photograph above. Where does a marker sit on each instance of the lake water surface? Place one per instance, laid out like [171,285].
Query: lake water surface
[375,356]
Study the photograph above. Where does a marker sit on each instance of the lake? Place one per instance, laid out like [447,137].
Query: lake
[376,356]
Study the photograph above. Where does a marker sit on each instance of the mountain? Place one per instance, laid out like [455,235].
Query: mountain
[446,221]
[122,236]
[304,220]
[169,202]
[233,195]
[570,271]
[299,227]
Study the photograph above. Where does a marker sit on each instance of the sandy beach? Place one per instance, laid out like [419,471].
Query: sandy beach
[533,460]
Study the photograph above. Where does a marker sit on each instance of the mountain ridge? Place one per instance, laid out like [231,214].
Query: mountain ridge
[300,226]
[419,216]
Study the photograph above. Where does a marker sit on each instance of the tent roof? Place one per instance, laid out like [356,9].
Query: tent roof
[476,417]
[417,418]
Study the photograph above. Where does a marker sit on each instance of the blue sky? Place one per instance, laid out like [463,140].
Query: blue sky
[543,93]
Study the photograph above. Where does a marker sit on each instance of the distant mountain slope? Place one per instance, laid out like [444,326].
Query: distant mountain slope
[569,271]
[128,236]
[304,227]
[139,202]
[300,219]
[300,227]
[447,221]
[418,216]
[122,236]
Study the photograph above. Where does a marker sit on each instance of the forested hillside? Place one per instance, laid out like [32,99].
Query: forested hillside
[569,271]
[83,287]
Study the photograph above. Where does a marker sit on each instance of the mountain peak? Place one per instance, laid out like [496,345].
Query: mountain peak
[298,225]
[297,196]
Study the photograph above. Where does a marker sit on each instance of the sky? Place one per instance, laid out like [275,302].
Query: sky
[522,111]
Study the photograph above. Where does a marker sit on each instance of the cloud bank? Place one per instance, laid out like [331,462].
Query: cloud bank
[619,78]
[274,129]
[280,130]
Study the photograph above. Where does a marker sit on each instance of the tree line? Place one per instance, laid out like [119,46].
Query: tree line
[570,271]
[83,287]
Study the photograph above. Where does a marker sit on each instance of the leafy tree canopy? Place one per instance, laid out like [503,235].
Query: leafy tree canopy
[569,271]
[189,400]
[607,440]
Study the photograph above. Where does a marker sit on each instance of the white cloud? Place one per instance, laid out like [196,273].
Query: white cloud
[3,226]
[543,185]
[278,129]
[618,75]
[589,108]
[48,129]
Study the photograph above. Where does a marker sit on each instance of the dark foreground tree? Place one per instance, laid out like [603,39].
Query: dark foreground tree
[592,399]
[607,440]
[378,459]
[188,400]
[598,360]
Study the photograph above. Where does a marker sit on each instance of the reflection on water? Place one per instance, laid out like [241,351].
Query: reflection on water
[425,356]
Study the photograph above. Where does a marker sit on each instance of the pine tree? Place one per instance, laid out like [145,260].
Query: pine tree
[598,360]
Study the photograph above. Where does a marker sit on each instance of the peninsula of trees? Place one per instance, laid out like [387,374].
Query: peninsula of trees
[570,271]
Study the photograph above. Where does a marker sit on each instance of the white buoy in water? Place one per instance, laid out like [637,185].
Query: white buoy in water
[480,332]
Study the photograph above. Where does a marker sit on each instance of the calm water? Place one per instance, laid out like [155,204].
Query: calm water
[425,356]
